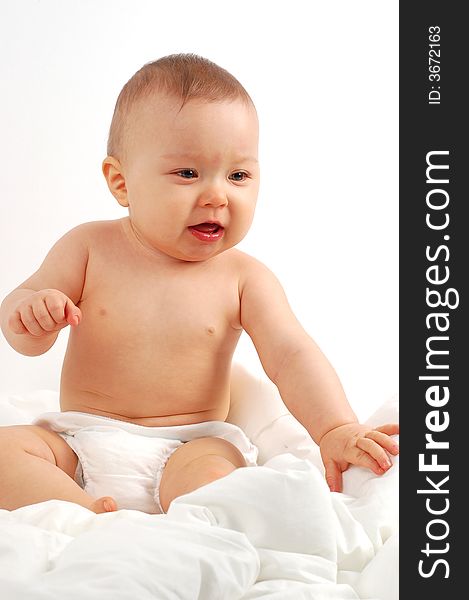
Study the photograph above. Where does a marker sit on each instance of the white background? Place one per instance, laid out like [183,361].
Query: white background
[324,78]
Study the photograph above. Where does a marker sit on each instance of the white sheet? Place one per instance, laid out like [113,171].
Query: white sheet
[273,532]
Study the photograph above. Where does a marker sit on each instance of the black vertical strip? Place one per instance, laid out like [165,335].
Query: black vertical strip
[434,258]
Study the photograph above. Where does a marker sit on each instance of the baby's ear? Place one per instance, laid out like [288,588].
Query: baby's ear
[112,170]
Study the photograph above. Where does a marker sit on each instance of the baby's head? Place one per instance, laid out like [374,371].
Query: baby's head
[182,156]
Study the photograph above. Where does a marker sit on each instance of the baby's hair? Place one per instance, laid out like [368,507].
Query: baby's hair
[183,76]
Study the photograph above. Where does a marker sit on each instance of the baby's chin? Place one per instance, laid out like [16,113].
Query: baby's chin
[203,255]
[205,252]
[187,249]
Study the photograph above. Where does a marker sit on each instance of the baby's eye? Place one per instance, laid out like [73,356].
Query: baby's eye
[239,176]
[187,173]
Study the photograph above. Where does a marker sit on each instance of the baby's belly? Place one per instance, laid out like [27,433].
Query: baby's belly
[148,389]
[94,403]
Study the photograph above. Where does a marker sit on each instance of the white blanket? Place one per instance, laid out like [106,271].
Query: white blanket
[273,532]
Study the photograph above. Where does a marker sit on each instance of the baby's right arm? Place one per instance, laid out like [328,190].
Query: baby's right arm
[32,315]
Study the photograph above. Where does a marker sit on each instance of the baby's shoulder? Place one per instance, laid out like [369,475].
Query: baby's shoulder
[246,265]
[94,232]
[258,286]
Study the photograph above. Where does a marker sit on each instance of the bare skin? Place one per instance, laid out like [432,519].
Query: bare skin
[172,330]
[156,311]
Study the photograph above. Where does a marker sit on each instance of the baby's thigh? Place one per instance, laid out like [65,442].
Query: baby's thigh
[39,442]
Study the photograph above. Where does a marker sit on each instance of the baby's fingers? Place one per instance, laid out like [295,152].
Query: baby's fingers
[62,310]
[16,324]
[384,440]
[389,429]
[72,313]
[30,321]
[379,459]
[42,315]
[333,475]
[56,306]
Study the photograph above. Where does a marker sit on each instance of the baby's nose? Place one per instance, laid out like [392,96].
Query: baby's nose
[214,196]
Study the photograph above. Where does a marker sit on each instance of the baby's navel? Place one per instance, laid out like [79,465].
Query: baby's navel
[210,330]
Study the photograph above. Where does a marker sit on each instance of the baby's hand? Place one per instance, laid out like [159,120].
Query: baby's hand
[44,312]
[355,444]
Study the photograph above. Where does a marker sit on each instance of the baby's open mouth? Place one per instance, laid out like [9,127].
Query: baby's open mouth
[206,227]
[207,232]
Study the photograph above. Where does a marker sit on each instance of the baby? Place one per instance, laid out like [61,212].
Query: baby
[156,302]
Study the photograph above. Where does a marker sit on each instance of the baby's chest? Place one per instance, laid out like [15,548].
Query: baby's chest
[175,310]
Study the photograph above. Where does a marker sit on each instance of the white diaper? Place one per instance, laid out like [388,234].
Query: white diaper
[125,460]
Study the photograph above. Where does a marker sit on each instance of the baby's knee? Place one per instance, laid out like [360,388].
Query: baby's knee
[23,438]
[198,463]
[212,466]
[13,437]
[213,446]
[198,471]
[39,442]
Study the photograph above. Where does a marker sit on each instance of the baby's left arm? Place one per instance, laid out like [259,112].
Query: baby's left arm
[306,380]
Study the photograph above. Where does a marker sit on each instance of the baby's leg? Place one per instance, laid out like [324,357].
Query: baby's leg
[38,465]
[195,464]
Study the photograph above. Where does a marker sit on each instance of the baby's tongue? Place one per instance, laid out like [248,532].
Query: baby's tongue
[205,227]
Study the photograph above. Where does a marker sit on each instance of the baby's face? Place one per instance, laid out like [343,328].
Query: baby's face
[192,177]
